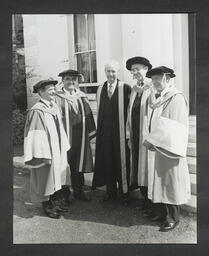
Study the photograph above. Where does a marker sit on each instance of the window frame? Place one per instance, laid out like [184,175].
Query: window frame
[90,84]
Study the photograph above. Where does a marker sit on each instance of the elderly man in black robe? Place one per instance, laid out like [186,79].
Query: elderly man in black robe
[112,153]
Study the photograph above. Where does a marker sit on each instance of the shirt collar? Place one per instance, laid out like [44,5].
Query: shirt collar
[68,93]
[114,84]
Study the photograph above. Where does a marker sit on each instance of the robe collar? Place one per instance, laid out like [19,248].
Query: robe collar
[66,95]
[43,106]
[165,95]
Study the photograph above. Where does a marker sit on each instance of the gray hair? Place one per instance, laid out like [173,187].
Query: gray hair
[112,63]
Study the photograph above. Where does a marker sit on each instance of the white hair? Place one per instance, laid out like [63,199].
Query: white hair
[112,63]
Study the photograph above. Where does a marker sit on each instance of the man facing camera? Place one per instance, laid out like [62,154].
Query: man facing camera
[45,149]
[112,159]
[169,184]
[80,128]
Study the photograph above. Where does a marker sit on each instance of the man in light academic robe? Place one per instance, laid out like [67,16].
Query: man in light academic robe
[169,184]
[45,149]
[80,128]
[111,159]
[137,127]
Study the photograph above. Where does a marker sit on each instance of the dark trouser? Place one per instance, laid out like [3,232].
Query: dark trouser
[147,202]
[144,191]
[77,178]
[112,166]
[169,212]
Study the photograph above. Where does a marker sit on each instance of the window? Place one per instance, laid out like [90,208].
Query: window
[85,47]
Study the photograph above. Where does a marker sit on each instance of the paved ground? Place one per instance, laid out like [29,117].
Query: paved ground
[90,222]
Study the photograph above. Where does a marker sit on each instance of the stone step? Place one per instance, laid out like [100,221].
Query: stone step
[192,164]
[192,123]
[192,138]
[191,149]
[192,118]
[192,132]
[192,129]
[191,206]
[18,162]
[193,181]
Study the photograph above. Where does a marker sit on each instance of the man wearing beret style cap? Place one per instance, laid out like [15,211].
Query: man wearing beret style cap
[169,182]
[80,128]
[137,126]
[45,149]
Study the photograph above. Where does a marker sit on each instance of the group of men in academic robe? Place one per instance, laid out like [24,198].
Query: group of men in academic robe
[141,141]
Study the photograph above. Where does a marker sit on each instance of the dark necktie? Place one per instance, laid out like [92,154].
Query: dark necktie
[157,95]
[110,91]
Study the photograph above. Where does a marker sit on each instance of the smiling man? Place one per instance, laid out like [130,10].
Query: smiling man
[45,149]
[136,126]
[111,159]
[80,128]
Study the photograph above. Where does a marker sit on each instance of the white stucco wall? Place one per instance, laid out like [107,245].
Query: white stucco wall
[109,42]
[162,38]
[46,48]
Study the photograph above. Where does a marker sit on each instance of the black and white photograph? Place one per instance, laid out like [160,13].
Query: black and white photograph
[104,128]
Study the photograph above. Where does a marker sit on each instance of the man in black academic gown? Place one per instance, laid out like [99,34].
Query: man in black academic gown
[137,127]
[80,128]
[112,154]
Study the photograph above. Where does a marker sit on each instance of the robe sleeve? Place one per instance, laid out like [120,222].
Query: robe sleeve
[36,141]
[129,92]
[98,96]
[60,104]
[128,125]
[170,132]
[89,120]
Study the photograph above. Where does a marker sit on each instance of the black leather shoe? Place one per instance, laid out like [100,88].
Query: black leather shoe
[140,207]
[125,202]
[63,203]
[156,218]
[148,213]
[81,196]
[62,208]
[58,206]
[167,226]
[107,198]
[51,213]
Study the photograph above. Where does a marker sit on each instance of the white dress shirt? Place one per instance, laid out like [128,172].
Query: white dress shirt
[113,86]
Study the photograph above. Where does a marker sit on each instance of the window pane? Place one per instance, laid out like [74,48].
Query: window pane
[91,32]
[93,67]
[89,89]
[83,66]
[80,32]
